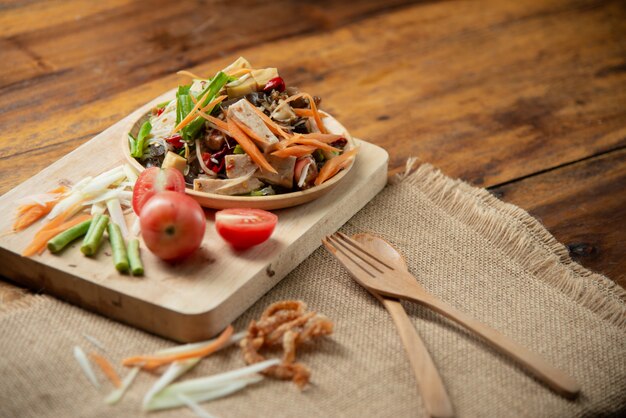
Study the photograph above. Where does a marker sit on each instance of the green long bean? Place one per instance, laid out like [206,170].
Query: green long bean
[120,258]
[136,267]
[95,235]
[61,241]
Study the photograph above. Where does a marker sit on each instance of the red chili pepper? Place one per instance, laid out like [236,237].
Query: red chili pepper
[276,83]
[207,158]
[176,141]
[159,111]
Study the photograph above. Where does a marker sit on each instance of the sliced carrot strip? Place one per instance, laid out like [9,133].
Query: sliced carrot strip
[107,369]
[295,151]
[297,139]
[251,133]
[239,72]
[273,126]
[219,124]
[30,213]
[154,361]
[316,114]
[214,103]
[334,165]
[192,114]
[249,147]
[325,138]
[38,245]
[190,74]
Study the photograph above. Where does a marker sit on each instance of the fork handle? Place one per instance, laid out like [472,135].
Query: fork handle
[553,377]
[429,382]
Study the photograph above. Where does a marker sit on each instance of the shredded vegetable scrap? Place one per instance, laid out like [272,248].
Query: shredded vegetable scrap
[285,324]
[83,361]
[152,362]
[28,214]
[115,396]
[107,369]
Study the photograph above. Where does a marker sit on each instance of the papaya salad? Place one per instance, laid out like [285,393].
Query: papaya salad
[242,132]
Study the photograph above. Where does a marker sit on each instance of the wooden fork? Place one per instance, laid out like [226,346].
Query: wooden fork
[378,276]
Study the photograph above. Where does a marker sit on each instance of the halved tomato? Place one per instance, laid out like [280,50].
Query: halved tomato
[244,228]
[154,180]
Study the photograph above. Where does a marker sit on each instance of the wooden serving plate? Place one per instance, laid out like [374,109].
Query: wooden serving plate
[195,299]
[280,201]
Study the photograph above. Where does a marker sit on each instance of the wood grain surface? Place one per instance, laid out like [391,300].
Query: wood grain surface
[527,98]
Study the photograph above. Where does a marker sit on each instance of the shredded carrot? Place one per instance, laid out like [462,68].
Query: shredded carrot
[334,165]
[218,123]
[239,72]
[325,138]
[273,126]
[316,114]
[213,103]
[295,151]
[192,114]
[154,361]
[190,74]
[307,113]
[298,139]
[30,213]
[251,132]
[249,147]
[53,228]
[107,369]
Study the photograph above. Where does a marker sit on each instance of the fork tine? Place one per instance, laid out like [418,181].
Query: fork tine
[345,259]
[356,257]
[371,259]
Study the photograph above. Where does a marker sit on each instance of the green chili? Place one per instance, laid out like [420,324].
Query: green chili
[61,241]
[139,144]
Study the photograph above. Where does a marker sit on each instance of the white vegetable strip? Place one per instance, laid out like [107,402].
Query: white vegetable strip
[235,181]
[115,210]
[98,208]
[235,338]
[109,194]
[204,167]
[176,369]
[135,229]
[84,363]
[94,341]
[130,172]
[194,406]
[65,204]
[115,396]
[204,383]
[103,181]
[169,399]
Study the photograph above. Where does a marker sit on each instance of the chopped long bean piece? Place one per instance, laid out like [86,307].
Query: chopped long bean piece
[136,267]
[61,241]
[95,235]
[120,258]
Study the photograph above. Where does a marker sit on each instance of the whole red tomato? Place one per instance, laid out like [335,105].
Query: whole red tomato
[172,225]
[244,228]
[154,180]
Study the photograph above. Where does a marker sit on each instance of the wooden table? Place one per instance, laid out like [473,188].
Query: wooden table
[525,98]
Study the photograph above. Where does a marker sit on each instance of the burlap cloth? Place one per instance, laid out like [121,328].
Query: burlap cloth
[486,257]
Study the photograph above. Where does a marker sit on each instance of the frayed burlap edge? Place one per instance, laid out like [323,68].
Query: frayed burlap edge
[528,242]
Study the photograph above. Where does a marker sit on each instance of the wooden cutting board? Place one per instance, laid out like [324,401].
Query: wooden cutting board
[191,300]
